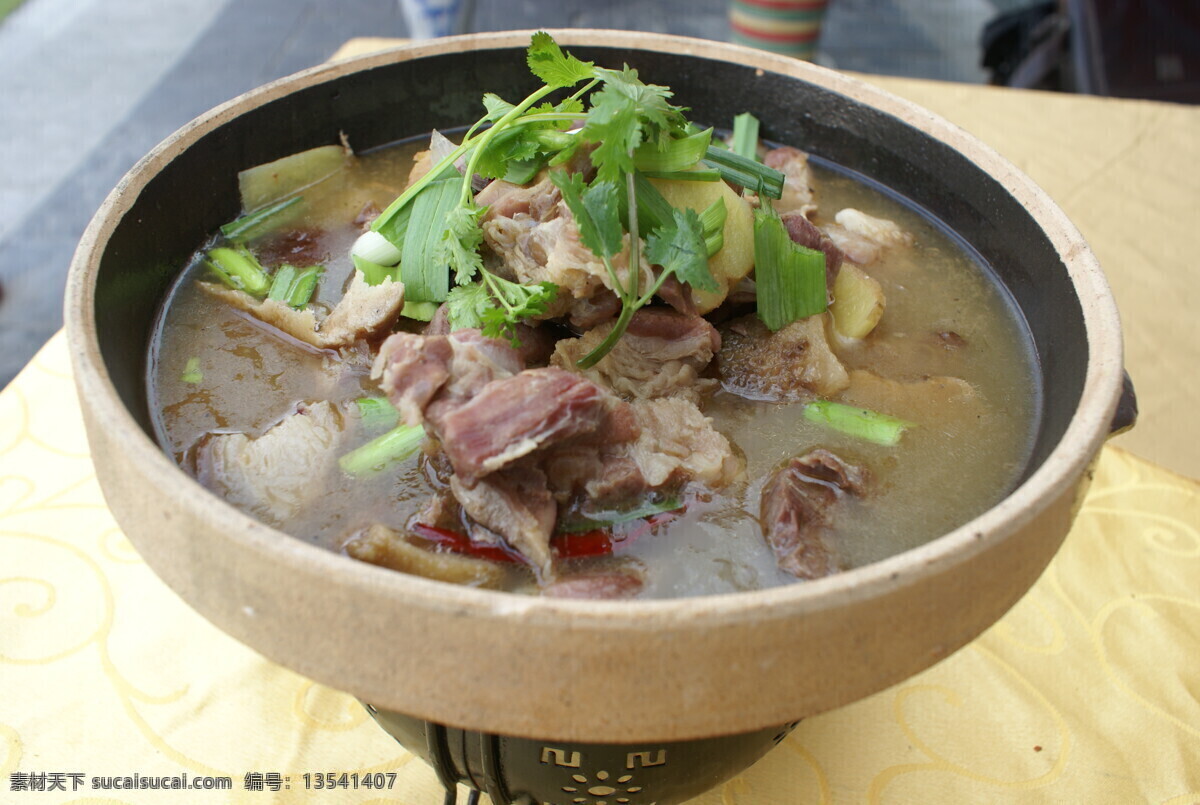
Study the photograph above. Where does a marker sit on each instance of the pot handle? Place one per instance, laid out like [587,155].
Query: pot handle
[1126,414]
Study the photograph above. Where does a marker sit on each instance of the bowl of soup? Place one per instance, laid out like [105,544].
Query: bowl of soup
[629,499]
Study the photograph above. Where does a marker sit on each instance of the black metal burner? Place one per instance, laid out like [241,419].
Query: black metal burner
[528,771]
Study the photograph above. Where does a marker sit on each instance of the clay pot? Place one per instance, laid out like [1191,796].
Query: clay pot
[645,675]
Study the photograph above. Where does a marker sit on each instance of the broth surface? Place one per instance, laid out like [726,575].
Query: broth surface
[952,466]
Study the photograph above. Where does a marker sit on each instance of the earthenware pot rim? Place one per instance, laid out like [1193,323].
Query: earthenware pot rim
[1065,463]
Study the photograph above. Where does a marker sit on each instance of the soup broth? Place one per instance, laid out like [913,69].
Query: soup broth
[946,328]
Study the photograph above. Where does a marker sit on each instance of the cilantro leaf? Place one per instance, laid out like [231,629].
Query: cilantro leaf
[625,113]
[495,106]
[679,248]
[459,245]
[555,68]
[596,210]
[495,304]
[465,305]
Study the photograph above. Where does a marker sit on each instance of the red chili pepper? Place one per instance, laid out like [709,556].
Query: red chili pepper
[461,543]
[566,546]
[589,543]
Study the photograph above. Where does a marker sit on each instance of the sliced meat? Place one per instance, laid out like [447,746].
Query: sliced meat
[805,232]
[364,312]
[517,505]
[531,230]
[598,584]
[798,194]
[880,230]
[380,545]
[366,216]
[792,364]
[514,416]
[598,473]
[795,510]
[414,370]
[855,247]
[602,306]
[661,354]
[272,476]
[535,343]
[678,296]
[677,444]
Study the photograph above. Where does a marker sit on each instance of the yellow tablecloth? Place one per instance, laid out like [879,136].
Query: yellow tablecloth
[1087,691]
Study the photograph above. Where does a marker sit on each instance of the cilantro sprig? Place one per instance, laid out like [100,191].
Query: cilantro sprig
[627,123]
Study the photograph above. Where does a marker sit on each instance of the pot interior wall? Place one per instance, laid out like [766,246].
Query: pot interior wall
[197,191]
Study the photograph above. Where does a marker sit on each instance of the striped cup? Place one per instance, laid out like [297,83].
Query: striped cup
[783,26]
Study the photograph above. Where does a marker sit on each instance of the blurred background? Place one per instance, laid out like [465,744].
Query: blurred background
[89,86]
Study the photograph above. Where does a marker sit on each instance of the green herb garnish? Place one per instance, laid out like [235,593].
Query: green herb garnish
[861,423]
[294,286]
[397,444]
[191,372]
[239,269]
[376,412]
[259,222]
[745,136]
[743,172]
[790,277]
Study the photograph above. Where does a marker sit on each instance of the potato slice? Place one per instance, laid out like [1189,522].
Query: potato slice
[857,302]
[382,546]
[736,257]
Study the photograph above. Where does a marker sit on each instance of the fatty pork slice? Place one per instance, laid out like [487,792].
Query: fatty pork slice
[364,312]
[798,194]
[795,510]
[794,363]
[272,476]
[661,354]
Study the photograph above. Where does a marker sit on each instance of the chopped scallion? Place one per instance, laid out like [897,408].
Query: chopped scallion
[672,155]
[377,413]
[745,136]
[258,222]
[396,445]
[374,273]
[712,225]
[295,286]
[644,509]
[239,269]
[746,173]
[376,248]
[861,423]
[421,311]
[653,210]
[685,175]
[790,277]
[191,372]
[713,217]
[426,279]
